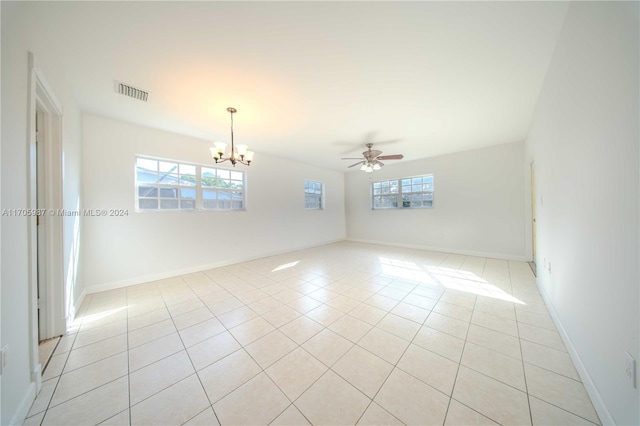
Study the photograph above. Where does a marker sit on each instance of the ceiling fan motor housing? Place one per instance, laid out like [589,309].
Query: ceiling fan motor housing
[372,157]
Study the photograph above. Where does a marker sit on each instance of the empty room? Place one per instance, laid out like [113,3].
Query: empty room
[319,213]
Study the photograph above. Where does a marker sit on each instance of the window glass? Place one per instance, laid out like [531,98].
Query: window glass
[172,185]
[313,195]
[409,192]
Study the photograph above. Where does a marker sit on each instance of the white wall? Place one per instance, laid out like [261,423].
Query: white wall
[478,204]
[584,140]
[147,245]
[22,32]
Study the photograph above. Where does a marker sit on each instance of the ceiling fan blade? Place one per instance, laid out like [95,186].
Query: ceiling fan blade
[351,158]
[359,162]
[391,157]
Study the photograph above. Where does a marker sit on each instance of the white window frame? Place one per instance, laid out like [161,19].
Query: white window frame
[319,198]
[230,189]
[198,188]
[396,197]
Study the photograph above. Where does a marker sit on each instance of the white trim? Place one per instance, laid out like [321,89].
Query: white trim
[47,92]
[36,375]
[78,304]
[41,97]
[25,405]
[528,206]
[169,274]
[443,250]
[587,381]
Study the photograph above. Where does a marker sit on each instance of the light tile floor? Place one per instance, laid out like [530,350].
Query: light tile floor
[341,334]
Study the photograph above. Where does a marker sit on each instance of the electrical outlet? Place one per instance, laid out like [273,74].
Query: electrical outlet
[630,370]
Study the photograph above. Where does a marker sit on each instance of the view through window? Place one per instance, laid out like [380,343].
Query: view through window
[313,195]
[172,185]
[409,192]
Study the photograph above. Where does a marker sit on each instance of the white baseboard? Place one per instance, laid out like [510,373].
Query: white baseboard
[78,303]
[444,250]
[36,376]
[587,381]
[174,273]
[25,405]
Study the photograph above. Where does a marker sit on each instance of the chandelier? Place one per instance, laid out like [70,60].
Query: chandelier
[239,154]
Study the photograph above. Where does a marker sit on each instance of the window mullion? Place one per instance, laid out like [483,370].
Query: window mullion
[180,192]
[198,188]
[385,196]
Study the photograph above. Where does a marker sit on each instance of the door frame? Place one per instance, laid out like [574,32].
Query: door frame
[534,224]
[41,229]
[43,99]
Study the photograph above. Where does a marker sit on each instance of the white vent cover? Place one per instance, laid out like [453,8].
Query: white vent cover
[132,92]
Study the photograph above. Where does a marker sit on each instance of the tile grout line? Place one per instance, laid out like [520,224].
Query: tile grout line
[401,356]
[128,359]
[242,347]
[329,368]
[464,345]
[529,396]
[154,362]
[298,346]
[262,370]
[524,371]
[75,334]
[195,370]
[339,284]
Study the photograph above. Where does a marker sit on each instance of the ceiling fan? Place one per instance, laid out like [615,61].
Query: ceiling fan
[371,159]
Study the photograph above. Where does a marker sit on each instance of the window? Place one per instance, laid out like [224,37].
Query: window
[222,189]
[313,195]
[411,192]
[169,185]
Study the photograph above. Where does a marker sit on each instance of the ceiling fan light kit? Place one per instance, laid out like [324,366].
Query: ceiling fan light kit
[371,159]
[370,167]
[239,154]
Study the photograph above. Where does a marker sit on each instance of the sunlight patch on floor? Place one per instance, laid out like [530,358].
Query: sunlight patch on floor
[85,319]
[286,266]
[406,270]
[455,279]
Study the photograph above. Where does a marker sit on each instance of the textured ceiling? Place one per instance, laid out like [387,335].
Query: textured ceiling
[313,81]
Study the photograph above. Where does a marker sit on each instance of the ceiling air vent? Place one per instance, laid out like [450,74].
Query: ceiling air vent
[132,92]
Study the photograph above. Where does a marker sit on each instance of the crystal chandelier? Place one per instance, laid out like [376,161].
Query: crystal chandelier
[239,154]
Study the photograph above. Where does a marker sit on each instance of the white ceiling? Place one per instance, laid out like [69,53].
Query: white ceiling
[313,81]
